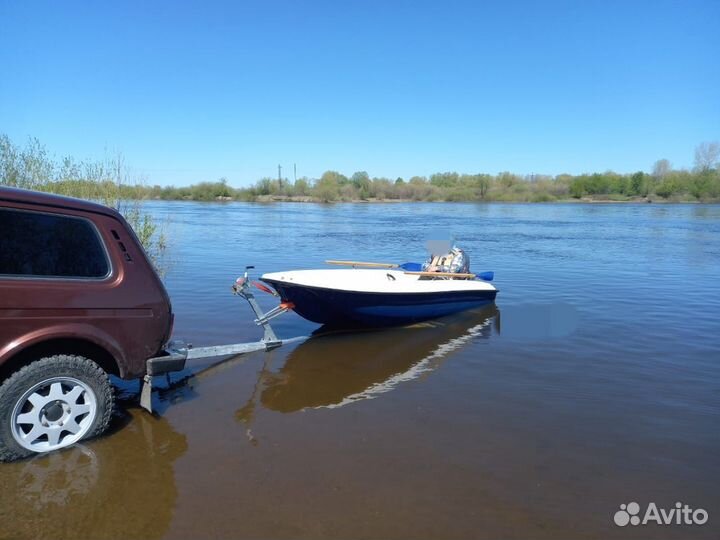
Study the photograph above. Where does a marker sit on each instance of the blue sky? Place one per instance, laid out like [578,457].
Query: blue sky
[195,91]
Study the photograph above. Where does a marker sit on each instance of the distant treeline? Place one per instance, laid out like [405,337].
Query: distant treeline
[32,167]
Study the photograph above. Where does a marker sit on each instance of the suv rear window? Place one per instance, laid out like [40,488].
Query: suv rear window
[50,245]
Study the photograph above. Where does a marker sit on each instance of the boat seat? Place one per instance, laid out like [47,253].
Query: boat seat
[436,263]
[441,260]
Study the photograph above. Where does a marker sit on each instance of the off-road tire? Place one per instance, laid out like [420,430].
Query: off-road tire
[61,365]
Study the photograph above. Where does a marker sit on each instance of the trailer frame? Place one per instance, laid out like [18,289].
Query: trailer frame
[177,353]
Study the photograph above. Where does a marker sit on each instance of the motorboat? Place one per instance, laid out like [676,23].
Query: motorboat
[375,297]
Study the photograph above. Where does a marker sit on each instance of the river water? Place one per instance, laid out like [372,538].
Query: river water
[593,382]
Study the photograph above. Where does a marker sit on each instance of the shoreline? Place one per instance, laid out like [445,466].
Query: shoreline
[264,199]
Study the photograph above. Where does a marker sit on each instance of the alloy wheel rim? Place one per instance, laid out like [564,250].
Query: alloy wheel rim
[54,413]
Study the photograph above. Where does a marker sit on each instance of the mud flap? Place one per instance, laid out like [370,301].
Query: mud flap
[146,393]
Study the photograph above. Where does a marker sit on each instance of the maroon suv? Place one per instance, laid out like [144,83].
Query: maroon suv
[79,300]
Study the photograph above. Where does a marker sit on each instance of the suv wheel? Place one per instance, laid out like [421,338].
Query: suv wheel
[51,404]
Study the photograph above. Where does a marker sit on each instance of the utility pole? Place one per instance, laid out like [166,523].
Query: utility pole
[279,176]
[294,172]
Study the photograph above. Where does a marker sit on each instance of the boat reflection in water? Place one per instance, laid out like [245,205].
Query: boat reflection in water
[336,369]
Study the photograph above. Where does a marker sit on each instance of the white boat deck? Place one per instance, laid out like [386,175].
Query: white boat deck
[376,281]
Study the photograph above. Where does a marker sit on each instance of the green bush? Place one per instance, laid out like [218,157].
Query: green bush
[543,197]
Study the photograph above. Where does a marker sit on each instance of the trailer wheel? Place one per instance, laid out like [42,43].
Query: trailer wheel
[51,404]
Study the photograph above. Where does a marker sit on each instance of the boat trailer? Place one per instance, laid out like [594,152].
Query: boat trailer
[177,353]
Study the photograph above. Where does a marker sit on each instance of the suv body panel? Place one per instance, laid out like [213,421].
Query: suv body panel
[127,313]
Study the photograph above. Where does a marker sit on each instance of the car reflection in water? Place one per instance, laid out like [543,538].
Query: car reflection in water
[121,486]
[337,369]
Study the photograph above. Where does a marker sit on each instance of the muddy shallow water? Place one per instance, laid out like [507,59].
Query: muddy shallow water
[593,383]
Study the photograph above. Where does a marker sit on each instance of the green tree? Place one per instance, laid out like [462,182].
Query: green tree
[361,180]
[446,179]
[702,185]
[577,187]
[327,187]
[507,179]
[668,187]
[336,177]
[483,181]
[301,187]
[637,183]
[264,186]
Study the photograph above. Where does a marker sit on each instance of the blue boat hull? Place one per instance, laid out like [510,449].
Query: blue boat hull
[349,308]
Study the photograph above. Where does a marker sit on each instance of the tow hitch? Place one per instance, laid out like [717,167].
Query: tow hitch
[177,353]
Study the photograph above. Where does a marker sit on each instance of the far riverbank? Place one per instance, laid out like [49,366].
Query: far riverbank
[582,200]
